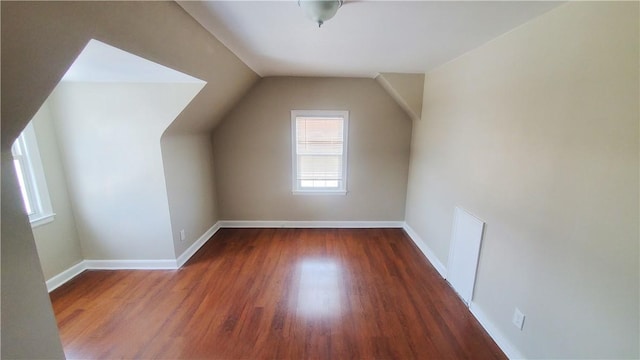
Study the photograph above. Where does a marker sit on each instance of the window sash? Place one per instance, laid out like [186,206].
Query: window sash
[320,167]
[31,178]
[319,147]
[26,178]
[27,195]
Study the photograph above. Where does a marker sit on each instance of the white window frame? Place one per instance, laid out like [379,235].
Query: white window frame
[25,151]
[297,189]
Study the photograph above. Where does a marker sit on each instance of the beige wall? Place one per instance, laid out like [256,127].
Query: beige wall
[252,152]
[406,90]
[39,42]
[192,201]
[536,133]
[29,329]
[57,242]
[110,144]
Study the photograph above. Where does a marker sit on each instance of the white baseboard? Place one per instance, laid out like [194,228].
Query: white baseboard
[170,264]
[161,264]
[60,279]
[309,224]
[505,345]
[426,250]
[187,254]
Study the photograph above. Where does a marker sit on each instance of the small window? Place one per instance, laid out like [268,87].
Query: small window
[33,185]
[319,151]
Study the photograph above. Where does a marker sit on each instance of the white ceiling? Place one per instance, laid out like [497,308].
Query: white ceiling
[363,39]
[99,62]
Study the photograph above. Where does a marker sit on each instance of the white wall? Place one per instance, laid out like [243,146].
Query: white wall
[57,242]
[536,133]
[188,167]
[110,143]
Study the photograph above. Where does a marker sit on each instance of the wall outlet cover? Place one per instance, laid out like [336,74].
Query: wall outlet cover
[518,319]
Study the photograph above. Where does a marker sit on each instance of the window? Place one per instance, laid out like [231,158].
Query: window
[26,159]
[319,151]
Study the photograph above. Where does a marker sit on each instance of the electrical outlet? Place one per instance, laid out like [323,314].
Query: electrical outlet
[518,319]
[182,235]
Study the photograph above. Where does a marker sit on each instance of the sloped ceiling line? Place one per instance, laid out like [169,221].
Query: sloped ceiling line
[274,38]
[406,90]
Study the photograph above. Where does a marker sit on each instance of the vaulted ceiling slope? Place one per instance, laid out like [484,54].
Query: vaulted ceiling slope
[40,40]
[363,39]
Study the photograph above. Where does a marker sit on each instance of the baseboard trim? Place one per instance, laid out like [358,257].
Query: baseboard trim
[426,250]
[309,224]
[505,345]
[60,279]
[187,254]
[162,264]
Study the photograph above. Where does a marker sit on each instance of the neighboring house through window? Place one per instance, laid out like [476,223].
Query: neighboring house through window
[33,185]
[319,151]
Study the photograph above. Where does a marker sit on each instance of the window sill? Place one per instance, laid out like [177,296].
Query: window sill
[42,220]
[319,192]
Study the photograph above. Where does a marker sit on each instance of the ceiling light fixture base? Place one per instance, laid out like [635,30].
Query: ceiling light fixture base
[320,11]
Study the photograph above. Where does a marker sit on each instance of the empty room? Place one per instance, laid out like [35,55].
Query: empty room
[320,180]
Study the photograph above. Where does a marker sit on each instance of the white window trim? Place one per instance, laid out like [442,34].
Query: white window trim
[34,177]
[294,164]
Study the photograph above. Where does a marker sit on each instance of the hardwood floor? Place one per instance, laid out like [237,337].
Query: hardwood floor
[275,293]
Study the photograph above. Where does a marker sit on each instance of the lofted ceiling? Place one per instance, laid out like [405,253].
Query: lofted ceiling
[365,38]
[99,62]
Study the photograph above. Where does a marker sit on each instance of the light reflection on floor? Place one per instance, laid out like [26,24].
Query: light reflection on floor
[319,293]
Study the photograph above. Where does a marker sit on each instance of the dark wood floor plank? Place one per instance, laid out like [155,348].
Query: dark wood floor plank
[278,294]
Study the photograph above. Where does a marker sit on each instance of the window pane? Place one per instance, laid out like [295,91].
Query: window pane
[324,184]
[23,186]
[326,167]
[319,135]
[319,151]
